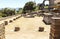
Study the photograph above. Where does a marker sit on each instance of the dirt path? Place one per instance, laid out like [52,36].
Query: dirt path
[28,29]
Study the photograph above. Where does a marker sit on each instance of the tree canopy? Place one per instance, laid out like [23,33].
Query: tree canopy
[7,12]
[29,6]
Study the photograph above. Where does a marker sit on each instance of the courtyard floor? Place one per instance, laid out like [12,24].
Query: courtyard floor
[28,29]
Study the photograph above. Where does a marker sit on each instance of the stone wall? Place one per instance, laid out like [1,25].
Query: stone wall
[55,28]
[2,30]
[6,22]
[56,1]
[9,20]
[51,2]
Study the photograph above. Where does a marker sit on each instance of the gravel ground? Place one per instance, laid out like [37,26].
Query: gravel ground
[28,29]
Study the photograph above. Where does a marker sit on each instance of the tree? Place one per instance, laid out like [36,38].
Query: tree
[19,11]
[40,6]
[29,6]
[8,12]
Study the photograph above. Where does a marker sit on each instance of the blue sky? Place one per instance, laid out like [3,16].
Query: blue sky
[15,3]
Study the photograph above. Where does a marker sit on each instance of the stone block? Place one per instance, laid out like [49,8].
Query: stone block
[55,28]
[2,31]
[47,18]
[6,22]
[14,19]
[41,29]
[52,37]
[10,21]
[16,29]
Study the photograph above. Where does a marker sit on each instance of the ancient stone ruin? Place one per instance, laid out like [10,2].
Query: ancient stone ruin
[16,29]
[47,18]
[6,22]
[2,30]
[10,21]
[55,28]
[41,29]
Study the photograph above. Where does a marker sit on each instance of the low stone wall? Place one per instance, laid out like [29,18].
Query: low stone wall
[29,16]
[14,19]
[6,22]
[10,21]
[2,30]
[56,14]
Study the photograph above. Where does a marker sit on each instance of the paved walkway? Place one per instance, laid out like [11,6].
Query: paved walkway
[28,29]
